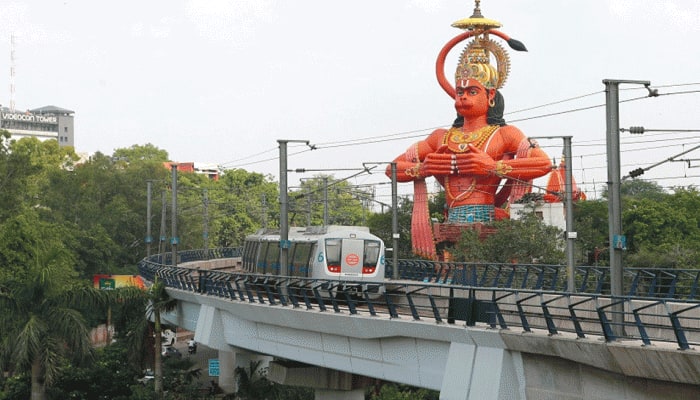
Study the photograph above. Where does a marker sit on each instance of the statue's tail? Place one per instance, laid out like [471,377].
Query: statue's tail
[421,229]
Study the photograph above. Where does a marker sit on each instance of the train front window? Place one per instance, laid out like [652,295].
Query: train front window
[333,247]
[371,253]
[333,253]
[371,256]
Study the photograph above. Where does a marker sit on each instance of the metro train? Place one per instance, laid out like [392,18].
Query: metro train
[350,254]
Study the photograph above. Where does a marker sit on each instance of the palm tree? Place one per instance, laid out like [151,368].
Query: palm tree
[40,313]
[154,301]
[159,302]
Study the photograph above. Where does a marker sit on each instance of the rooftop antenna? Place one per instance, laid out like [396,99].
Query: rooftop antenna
[12,73]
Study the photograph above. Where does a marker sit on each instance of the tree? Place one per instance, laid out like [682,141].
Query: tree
[159,302]
[135,153]
[526,240]
[39,313]
[380,224]
[24,165]
[109,377]
[591,224]
[345,203]
[241,203]
[639,189]
[104,203]
[663,232]
[393,391]
[253,383]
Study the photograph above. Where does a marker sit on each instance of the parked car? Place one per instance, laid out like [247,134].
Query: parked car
[170,351]
[147,376]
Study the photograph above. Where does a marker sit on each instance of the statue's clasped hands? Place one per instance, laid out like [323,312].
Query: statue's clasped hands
[444,162]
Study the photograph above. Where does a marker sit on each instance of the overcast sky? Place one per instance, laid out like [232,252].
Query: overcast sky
[221,81]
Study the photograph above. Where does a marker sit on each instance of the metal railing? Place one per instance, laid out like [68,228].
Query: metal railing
[638,282]
[449,296]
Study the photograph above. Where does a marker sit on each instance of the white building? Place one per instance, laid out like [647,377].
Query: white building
[550,213]
[49,122]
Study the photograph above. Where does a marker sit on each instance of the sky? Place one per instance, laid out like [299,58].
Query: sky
[223,81]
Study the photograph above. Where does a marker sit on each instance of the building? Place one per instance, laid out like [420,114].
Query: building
[49,122]
[210,170]
[552,214]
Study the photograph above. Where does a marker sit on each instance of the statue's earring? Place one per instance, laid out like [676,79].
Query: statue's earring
[492,103]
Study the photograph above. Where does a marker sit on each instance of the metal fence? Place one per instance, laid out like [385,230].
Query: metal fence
[527,297]
[645,282]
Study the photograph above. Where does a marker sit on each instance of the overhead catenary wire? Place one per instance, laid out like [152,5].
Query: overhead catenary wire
[631,145]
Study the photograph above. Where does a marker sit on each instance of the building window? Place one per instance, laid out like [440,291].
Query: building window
[539,215]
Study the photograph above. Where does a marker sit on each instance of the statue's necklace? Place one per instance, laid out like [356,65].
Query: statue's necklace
[458,140]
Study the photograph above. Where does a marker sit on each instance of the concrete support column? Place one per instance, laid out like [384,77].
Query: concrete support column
[323,394]
[483,373]
[328,384]
[243,359]
[227,371]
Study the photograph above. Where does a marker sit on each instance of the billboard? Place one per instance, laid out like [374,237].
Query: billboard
[111,282]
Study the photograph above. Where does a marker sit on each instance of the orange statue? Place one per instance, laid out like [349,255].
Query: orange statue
[556,186]
[473,158]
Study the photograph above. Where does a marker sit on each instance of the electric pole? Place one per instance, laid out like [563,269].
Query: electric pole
[174,240]
[617,241]
[284,205]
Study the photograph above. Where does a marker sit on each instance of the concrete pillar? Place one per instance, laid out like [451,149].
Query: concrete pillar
[328,384]
[322,394]
[227,371]
[483,373]
[237,358]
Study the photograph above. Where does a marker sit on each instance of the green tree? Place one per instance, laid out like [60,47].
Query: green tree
[380,224]
[525,240]
[110,376]
[663,232]
[393,391]
[591,225]
[39,313]
[253,383]
[16,171]
[345,204]
[136,153]
[241,203]
[640,189]
[105,205]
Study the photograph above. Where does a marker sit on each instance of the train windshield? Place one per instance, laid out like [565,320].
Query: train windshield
[333,247]
[371,257]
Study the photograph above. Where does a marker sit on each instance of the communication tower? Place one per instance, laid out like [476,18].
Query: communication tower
[12,73]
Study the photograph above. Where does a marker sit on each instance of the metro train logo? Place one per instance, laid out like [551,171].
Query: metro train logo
[352,259]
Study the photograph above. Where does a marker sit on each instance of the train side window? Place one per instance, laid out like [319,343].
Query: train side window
[272,258]
[371,253]
[310,265]
[254,256]
[333,248]
[301,259]
[261,266]
[249,254]
[246,253]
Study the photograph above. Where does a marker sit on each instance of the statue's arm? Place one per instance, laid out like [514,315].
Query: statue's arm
[408,164]
[530,160]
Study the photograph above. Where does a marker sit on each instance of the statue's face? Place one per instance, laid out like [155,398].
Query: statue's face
[472,98]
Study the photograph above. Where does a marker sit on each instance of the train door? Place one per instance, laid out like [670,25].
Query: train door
[351,258]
